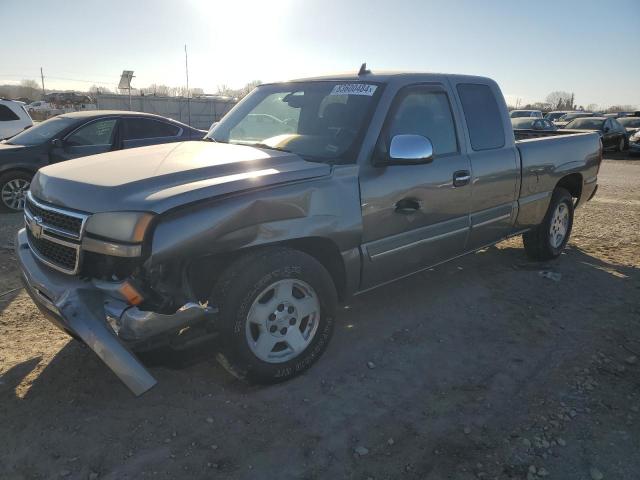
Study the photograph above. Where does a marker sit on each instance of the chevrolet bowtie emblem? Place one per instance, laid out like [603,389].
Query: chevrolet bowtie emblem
[36,227]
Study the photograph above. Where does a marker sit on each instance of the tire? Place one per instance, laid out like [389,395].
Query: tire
[254,289]
[538,242]
[621,145]
[13,188]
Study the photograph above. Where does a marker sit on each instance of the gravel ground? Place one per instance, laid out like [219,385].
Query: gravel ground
[481,368]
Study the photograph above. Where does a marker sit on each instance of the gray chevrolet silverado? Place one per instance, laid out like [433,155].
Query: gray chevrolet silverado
[306,193]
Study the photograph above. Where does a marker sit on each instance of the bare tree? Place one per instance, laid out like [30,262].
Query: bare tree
[239,92]
[620,108]
[97,90]
[29,83]
[157,90]
[560,100]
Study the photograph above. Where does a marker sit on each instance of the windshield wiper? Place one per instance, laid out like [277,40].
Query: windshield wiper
[259,145]
[264,145]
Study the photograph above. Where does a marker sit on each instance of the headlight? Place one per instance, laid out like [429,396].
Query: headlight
[127,227]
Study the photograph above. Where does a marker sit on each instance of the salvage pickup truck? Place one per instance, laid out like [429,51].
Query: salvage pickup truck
[306,193]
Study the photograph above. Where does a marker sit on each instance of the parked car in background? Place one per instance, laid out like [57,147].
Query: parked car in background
[556,114]
[612,133]
[38,106]
[566,118]
[533,124]
[634,143]
[525,113]
[364,180]
[14,118]
[79,134]
[631,124]
[618,114]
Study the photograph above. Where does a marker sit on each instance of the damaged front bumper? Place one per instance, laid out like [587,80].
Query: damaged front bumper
[93,313]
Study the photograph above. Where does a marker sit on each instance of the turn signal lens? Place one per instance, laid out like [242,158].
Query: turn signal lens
[131,294]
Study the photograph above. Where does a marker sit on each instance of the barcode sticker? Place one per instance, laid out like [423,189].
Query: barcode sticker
[354,89]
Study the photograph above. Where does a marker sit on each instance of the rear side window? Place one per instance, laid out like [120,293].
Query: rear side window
[7,115]
[482,115]
[142,128]
[425,112]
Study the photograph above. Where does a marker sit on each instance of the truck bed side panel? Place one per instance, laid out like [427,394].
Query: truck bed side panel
[545,161]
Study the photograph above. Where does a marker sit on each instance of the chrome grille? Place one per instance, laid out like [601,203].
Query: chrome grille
[62,256]
[54,234]
[54,218]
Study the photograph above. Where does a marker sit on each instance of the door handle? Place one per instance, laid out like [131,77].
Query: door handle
[461,178]
[407,206]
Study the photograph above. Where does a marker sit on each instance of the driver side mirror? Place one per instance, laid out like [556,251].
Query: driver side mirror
[57,143]
[409,150]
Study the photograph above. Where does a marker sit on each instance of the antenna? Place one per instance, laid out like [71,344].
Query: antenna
[363,69]
[186,69]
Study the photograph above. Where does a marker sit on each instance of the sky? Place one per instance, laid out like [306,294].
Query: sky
[530,48]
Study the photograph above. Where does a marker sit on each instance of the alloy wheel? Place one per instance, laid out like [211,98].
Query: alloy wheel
[282,321]
[14,192]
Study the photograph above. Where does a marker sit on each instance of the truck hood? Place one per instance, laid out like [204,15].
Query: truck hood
[161,177]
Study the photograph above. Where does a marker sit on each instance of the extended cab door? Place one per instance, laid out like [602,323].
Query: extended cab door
[96,136]
[495,168]
[415,215]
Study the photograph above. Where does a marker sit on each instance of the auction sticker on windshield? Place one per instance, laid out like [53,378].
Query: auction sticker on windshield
[354,89]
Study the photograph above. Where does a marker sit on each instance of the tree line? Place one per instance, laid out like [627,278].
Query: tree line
[561,100]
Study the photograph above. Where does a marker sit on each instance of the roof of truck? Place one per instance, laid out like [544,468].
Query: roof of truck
[389,76]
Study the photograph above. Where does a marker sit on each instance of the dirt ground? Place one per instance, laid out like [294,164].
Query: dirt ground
[482,368]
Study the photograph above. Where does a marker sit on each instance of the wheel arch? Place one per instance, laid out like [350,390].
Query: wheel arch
[573,184]
[20,168]
[322,249]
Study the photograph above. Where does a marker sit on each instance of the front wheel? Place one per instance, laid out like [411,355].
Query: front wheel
[13,190]
[548,239]
[276,313]
[621,145]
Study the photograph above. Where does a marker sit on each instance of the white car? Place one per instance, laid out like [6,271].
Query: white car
[39,106]
[525,113]
[14,118]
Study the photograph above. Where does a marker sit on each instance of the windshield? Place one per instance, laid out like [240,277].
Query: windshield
[522,122]
[42,132]
[554,115]
[630,122]
[317,120]
[586,123]
[570,116]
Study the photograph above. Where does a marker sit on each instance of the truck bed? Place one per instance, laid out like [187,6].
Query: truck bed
[546,159]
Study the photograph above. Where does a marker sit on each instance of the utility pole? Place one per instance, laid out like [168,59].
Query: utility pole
[186,68]
[42,77]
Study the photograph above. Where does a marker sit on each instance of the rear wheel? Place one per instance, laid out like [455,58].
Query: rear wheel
[13,190]
[276,312]
[548,239]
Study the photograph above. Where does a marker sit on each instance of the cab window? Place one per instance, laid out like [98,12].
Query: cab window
[427,112]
